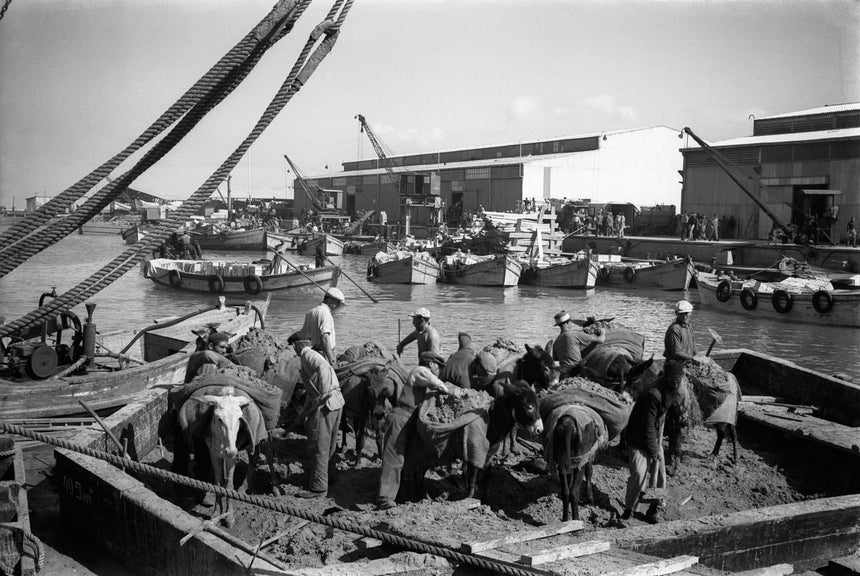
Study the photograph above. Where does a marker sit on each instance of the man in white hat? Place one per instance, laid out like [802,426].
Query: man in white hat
[568,346]
[319,324]
[428,337]
[679,344]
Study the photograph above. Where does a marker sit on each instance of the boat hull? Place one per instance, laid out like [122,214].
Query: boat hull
[500,271]
[333,246]
[412,270]
[573,274]
[845,310]
[672,275]
[233,240]
[132,235]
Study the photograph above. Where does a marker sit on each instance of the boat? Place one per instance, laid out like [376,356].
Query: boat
[133,234]
[104,226]
[559,272]
[674,274]
[492,270]
[810,300]
[44,379]
[277,276]
[367,248]
[403,267]
[332,246]
[210,238]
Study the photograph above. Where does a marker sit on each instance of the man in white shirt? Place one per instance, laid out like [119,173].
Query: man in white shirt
[319,324]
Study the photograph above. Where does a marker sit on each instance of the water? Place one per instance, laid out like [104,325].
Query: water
[521,313]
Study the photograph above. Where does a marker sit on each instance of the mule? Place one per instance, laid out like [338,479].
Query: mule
[569,440]
[368,399]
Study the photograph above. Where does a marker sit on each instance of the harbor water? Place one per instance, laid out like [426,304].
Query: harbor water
[523,314]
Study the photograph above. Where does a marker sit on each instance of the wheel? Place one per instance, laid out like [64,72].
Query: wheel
[749,300]
[253,284]
[629,274]
[216,284]
[724,291]
[822,301]
[175,278]
[781,301]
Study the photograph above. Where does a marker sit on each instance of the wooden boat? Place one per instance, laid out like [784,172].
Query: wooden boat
[40,380]
[559,273]
[332,246]
[277,277]
[133,234]
[793,299]
[367,248]
[403,268]
[498,270]
[228,239]
[674,274]
[103,227]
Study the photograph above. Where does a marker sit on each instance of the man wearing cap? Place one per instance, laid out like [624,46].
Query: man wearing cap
[400,423]
[568,346]
[644,437]
[319,324]
[214,353]
[466,369]
[679,344]
[428,337]
[323,407]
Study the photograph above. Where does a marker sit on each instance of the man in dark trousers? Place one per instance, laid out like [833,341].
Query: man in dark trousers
[319,255]
[644,437]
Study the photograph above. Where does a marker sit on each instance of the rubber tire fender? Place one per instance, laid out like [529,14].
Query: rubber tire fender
[174,277]
[724,291]
[222,235]
[253,284]
[629,274]
[781,301]
[749,299]
[216,284]
[822,301]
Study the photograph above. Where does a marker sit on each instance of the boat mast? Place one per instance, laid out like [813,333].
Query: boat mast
[229,200]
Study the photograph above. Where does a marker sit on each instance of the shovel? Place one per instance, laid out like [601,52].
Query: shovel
[715,339]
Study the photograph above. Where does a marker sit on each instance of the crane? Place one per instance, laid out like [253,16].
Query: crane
[740,179]
[317,195]
[382,152]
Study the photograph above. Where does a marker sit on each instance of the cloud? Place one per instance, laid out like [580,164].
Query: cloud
[606,105]
[526,107]
[401,141]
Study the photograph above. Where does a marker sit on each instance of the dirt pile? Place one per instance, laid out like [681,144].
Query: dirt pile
[711,384]
[448,406]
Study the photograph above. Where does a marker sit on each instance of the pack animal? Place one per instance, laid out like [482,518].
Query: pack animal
[575,439]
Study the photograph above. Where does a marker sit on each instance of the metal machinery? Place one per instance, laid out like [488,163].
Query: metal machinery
[324,201]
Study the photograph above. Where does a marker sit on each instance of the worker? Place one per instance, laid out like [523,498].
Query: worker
[322,411]
[400,423]
[570,343]
[215,352]
[319,255]
[852,233]
[467,369]
[319,324]
[428,337]
[185,242]
[644,438]
[679,344]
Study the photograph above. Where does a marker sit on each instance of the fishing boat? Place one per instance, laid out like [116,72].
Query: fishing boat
[278,276]
[44,375]
[331,245]
[811,300]
[491,270]
[403,267]
[559,272]
[367,248]
[228,239]
[674,274]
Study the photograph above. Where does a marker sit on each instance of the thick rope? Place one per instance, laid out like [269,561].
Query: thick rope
[269,503]
[128,259]
[28,247]
[261,34]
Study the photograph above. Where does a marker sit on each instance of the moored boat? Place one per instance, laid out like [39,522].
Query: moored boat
[133,234]
[331,245]
[807,300]
[673,274]
[277,277]
[229,239]
[559,273]
[493,270]
[403,268]
[44,379]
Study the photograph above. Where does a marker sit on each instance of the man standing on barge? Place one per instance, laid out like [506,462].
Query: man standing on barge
[428,337]
[679,342]
[319,324]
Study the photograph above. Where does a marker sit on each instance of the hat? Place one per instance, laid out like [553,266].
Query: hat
[464,340]
[298,337]
[683,307]
[561,318]
[218,337]
[430,356]
[336,294]
[422,312]
[487,361]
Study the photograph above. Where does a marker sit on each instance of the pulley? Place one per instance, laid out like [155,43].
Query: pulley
[42,362]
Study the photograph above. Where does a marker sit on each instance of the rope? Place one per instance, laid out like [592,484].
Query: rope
[269,503]
[305,65]
[38,550]
[5,7]
[25,247]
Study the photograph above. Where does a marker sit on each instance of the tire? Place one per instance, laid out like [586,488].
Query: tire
[822,301]
[629,274]
[174,277]
[781,301]
[749,299]
[724,291]
[222,235]
[216,284]
[253,284]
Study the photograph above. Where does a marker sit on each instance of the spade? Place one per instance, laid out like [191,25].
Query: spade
[715,339]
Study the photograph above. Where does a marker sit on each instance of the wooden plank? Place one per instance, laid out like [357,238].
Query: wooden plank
[563,552]
[775,570]
[495,554]
[658,568]
[419,563]
[845,438]
[522,536]
[368,542]
[845,566]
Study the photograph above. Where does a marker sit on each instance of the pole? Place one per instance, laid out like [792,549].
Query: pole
[300,271]
[357,285]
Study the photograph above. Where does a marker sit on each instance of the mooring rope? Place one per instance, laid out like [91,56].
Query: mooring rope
[304,67]
[262,33]
[270,503]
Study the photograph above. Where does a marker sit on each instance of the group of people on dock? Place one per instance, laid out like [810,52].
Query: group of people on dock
[697,226]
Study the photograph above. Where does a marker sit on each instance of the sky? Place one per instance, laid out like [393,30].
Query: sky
[81,79]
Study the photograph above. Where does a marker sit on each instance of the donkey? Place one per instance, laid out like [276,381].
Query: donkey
[576,436]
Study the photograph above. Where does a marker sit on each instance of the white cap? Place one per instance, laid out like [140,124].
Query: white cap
[336,294]
[423,312]
[683,307]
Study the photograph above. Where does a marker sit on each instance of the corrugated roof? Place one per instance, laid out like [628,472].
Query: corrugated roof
[813,111]
[787,138]
[450,165]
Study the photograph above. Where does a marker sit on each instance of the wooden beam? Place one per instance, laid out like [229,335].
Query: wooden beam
[563,552]
[379,567]
[658,568]
[775,570]
[368,542]
[523,536]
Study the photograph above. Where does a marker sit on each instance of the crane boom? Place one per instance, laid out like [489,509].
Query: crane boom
[305,184]
[380,150]
[738,179]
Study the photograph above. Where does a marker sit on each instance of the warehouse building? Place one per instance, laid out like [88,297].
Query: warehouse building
[638,166]
[800,165]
